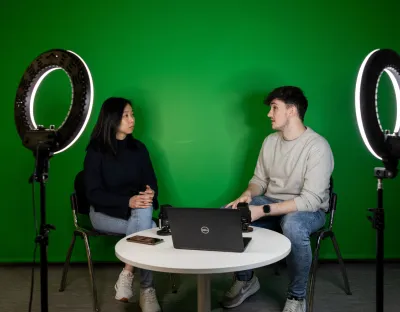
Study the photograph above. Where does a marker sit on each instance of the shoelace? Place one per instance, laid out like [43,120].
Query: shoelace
[126,280]
[149,295]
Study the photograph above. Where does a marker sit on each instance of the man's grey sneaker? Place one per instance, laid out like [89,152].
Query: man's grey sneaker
[295,305]
[239,291]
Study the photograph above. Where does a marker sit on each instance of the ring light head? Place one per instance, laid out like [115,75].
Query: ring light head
[381,143]
[55,140]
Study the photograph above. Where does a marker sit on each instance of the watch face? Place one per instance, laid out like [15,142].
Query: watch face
[267,208]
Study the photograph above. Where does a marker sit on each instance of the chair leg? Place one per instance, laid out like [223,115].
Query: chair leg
[312,276]
[173,283]
[90,264]
[66,264]
[342,266]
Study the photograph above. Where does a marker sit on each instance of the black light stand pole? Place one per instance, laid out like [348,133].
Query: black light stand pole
[378,223]
[380,226]
[41,175]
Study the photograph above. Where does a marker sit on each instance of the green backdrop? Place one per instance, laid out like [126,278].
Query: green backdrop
[197,74]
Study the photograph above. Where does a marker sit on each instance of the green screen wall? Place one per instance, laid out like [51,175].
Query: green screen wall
[197,73]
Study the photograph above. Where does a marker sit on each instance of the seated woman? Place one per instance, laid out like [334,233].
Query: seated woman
[121,187]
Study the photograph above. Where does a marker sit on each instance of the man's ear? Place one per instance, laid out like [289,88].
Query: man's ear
[295,111]
[292,110]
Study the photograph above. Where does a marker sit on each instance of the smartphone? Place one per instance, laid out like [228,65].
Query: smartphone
[145,240]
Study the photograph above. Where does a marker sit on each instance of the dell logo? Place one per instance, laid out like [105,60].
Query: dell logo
[205,230]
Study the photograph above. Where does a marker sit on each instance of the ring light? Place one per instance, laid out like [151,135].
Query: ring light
[45,142]
[383,145]
[58,140]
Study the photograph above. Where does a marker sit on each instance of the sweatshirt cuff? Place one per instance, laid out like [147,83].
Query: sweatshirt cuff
[259,183]
[300,204]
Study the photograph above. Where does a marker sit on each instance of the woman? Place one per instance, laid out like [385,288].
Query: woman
[121,187]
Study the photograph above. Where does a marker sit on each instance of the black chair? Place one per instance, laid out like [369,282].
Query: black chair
[323,233]
[84,229]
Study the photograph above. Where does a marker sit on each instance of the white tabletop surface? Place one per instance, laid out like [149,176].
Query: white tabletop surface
[265,248]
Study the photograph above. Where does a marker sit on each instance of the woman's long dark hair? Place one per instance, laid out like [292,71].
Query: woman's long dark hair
[103,137]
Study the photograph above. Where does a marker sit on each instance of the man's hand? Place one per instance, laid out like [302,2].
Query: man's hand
[244,198]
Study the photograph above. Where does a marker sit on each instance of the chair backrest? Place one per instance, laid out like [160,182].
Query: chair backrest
[79,201]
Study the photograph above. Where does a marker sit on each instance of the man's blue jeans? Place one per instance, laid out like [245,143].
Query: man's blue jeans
[297,227]
[140,220]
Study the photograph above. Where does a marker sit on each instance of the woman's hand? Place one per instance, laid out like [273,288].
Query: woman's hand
[140,201]
[148,192]
[143,200]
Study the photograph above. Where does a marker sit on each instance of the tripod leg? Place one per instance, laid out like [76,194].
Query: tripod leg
[342,266]
[312,275]
[90,264]
[66,264]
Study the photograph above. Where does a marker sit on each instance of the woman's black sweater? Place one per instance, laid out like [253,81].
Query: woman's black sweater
[110,181]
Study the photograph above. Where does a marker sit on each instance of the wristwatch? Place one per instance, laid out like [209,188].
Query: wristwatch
[267,208]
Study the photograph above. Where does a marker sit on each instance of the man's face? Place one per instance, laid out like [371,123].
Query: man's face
[279,114]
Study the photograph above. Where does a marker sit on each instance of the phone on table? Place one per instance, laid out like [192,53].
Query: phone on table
[145,240]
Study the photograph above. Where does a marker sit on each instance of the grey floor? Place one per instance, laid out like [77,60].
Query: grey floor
[329,295]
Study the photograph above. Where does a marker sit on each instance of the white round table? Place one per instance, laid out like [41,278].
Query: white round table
[266,247]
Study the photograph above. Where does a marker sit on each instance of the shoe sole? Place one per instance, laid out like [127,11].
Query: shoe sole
[254,289]
[157,311]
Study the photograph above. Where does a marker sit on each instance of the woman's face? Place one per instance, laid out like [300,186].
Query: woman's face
[127,122]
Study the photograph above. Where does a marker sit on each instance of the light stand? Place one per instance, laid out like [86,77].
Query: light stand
[383,145]
[41,175]
[42,141]
[46,142]
[378,223]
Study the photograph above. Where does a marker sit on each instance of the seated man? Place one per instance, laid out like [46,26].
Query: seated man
[290,189]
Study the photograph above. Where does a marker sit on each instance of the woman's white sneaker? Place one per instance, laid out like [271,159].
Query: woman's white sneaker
[123,287]
[148,300]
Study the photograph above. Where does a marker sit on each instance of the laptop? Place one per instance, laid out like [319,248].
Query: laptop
[211,229]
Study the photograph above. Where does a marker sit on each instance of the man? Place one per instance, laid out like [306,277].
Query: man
[290,190]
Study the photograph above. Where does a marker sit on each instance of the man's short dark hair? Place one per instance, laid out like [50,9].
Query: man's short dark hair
[290,96]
